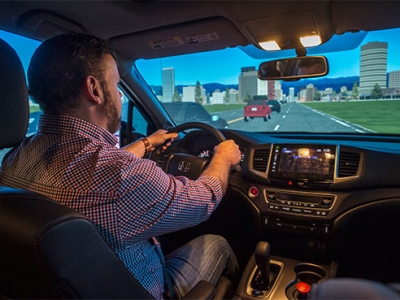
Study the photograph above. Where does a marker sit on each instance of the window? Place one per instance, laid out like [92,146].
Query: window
[24,48]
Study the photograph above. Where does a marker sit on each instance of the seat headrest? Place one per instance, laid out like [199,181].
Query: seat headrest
[14,105]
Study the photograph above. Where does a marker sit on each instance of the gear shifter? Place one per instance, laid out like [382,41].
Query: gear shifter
[262,257]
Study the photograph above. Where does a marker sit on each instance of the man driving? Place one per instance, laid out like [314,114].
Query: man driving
[73,159]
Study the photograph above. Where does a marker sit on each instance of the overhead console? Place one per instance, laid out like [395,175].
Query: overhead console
[302,165]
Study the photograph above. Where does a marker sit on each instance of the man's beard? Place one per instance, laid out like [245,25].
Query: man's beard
[109,108]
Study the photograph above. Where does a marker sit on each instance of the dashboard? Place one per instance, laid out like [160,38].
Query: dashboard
[306,187]
[323,178]
[309,161]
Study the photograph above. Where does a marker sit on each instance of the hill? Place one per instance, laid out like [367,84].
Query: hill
[321,84]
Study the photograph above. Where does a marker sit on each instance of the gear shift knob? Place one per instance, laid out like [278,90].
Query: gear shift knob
[262,257]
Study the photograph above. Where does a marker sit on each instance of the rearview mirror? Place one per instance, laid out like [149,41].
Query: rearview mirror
[293,68]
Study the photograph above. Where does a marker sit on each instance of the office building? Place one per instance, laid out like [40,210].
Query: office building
[168,84]
[373,66]
[291,94]
[250,85]
[189,94]
[394,79]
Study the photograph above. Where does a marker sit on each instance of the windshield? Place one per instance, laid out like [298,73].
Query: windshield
[361,92]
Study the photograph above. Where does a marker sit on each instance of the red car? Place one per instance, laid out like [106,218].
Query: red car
[257,109]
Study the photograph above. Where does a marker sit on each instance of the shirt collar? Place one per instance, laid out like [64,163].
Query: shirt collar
[61,124]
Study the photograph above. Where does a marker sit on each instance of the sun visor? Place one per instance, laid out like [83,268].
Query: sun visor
[42,24]
[198,36]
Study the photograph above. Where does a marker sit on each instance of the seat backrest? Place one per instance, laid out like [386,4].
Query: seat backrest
[50,251]
[14,105]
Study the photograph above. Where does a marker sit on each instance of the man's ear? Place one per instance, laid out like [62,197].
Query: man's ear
[92,90]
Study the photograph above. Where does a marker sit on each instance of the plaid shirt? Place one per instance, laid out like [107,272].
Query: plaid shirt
[129,199]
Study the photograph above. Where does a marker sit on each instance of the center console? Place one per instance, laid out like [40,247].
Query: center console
[296,204]
[272,277]
[297,195]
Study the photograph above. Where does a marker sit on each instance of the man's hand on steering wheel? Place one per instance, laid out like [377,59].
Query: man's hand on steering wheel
[227,155]
[230,152]
[161,138]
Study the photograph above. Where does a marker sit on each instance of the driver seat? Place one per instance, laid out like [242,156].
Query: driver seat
[48,251]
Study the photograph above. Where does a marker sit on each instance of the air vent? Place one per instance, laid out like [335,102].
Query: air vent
[348,163]
[260,160]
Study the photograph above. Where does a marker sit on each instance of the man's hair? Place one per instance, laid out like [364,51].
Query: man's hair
[310,62]
[59,67]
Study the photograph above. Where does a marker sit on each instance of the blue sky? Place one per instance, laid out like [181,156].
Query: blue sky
[189,69]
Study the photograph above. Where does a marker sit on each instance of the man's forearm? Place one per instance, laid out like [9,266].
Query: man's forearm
[220,169]
[137,148]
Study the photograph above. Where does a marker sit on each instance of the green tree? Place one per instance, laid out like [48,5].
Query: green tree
[176,97]
[248,97]
[198,95]
[227,95]
[376,93]
[317,96]
[354,91]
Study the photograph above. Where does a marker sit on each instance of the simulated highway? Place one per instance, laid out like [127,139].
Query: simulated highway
[293,117]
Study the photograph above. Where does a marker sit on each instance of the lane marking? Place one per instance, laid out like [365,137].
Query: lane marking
[342,122]
[235,120]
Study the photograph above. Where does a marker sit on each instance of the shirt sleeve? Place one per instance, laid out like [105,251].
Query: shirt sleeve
[151,202]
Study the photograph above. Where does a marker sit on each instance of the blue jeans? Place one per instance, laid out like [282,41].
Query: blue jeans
[207,257]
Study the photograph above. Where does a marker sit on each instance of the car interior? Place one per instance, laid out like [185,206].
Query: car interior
[294,225]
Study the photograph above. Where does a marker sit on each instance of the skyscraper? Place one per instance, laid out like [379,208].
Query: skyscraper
[373,66]
[168,84]
[250,85]
[247,83]
[394,79]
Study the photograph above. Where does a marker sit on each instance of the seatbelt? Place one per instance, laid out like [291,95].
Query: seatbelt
[169,287]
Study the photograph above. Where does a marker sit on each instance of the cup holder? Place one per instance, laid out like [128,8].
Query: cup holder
[309,273]
[305,272]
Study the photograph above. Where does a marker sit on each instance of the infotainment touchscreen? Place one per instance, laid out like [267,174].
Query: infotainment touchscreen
[302,162]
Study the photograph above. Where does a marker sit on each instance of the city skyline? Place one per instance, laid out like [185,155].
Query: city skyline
[373,70]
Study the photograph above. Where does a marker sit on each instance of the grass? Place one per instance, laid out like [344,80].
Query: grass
[382,116]
[33,108]
[222,107]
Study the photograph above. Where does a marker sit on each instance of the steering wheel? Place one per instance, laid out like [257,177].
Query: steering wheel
[183,164]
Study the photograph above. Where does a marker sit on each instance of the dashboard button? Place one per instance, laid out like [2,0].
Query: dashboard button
[274,207]
[271,196]
[326,201]
[326,229]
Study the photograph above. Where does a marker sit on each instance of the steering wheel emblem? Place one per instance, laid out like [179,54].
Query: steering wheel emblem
[184,166]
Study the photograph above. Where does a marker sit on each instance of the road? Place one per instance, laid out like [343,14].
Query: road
[293,117]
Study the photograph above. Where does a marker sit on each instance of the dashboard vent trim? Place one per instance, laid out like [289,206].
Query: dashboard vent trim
[260,159]
[348,164]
